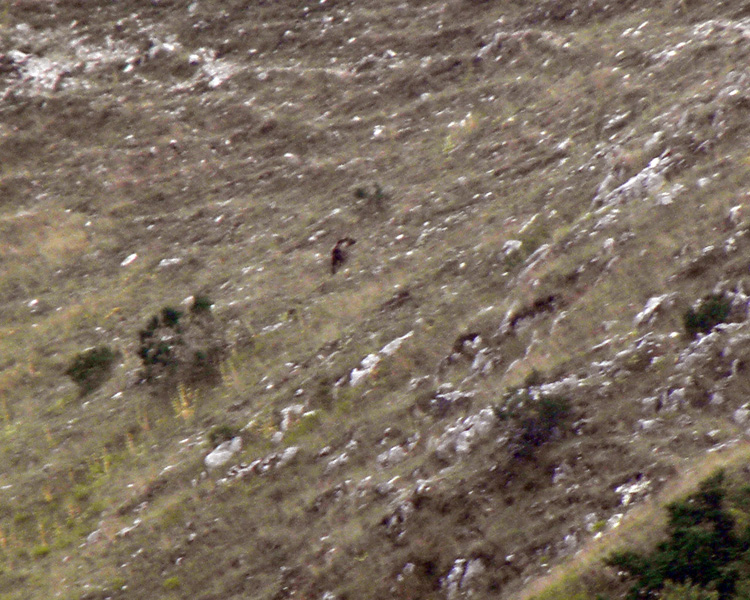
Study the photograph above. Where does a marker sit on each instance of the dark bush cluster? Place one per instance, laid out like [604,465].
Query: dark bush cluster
[702,550]
[536,419]
[712,310]
[188,347]
[90,368]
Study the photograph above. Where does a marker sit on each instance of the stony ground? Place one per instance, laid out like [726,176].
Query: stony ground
[497,374]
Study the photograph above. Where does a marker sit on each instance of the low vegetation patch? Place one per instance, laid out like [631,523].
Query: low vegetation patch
[90,368]
[186,347]
[535,418]
[711,311]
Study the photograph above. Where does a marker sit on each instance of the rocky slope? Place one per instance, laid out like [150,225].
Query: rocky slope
[543,321]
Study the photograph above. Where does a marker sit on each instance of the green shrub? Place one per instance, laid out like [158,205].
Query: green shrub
[713,310]
[535,420]
[171,583]
[702,549]
[89,369]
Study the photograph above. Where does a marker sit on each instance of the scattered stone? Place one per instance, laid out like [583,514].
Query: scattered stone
[391,457]
[459,438]
[370,362]
[125,531]
[448,400]
[562,471]
[289,414]
[223,453]
[168,262]
[394,523]
[676,400]
[630,492]
[590,522]
[462,577]
[653,305]
[646,183]
[734,216]
[483,363]
[568,544]
[648,424]
[335,463]
[261,466]
[367,366]
[94,537]
[614,521]
[741,415]
[511,247]
[129,260]
[387,487]
[391,347]
[287,456]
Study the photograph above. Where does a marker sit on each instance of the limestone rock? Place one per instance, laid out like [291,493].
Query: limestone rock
[653,305]
[392,457]
[223,453]
[741,415]
[462,578]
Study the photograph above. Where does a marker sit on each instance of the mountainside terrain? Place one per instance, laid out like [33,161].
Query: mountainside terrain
[540,319]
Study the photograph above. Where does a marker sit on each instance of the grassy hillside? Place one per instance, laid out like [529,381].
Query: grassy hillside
[543,321]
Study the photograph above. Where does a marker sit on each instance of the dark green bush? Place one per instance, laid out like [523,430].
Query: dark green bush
[90,368]
[702,548]
[713,310]
[170,316]
[535,420]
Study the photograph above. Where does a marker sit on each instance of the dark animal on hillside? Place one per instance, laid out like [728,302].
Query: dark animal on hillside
[339,253]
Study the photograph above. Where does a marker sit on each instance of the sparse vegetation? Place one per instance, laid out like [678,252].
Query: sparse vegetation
[371,199]
[221,433]
[183,347]
[507,170]
[90,368]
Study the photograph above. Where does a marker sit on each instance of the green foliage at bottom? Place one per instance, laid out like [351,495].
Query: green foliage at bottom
[702,554]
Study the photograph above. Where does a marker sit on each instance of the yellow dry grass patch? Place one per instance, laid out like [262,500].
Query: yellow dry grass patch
[52,236]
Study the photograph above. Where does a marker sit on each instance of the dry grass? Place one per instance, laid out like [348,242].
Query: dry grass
[249,184]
